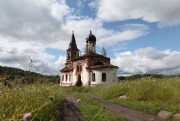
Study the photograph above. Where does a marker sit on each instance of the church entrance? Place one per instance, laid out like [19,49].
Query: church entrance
[79,82]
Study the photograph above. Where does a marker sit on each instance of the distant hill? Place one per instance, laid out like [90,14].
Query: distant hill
[140,76]
[16,75]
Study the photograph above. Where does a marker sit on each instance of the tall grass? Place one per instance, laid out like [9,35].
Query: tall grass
[44,102]
[147,92]
[165,90]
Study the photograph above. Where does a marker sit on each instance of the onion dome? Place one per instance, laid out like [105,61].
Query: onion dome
[91,38]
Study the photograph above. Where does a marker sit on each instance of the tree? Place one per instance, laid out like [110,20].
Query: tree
[103,52]
[1,70]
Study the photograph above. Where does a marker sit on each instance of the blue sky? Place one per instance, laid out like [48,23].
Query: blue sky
[139,36]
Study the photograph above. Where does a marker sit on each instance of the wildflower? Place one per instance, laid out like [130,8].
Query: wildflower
[27,116]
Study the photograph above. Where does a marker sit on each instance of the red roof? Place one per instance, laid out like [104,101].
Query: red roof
[65,69]
[102,66]
[89,56]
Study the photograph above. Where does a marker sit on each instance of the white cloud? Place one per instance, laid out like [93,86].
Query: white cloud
[49,24]
[166,12]
[148,60]
[19,54]
[31,20]
[59,9]
[130,32]
[59,64]
[105,37]
[28,27]
[93,4]
[49,68]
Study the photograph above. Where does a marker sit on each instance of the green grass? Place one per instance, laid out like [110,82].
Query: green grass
[44,102]
[145,106]
[149,95]
[93,111]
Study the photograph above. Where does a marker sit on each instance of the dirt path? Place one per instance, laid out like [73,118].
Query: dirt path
[70,110]
[129,114]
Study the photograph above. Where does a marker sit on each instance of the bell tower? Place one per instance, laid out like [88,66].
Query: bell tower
[72,51]
[91,44]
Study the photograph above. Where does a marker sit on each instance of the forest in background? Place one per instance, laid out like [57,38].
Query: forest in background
[15,75]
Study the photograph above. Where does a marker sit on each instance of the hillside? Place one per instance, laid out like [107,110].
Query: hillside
[16,75]
[142,76]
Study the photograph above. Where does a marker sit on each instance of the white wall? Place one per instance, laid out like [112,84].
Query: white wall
[65,82]
[111,76]
[74,78]
[85,75]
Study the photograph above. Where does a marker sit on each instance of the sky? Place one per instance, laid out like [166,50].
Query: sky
[140,36]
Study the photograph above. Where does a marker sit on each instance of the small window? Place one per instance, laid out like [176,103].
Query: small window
[93,77]
[103,77]
[66,77]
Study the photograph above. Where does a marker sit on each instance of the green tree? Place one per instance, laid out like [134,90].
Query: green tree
[103,52]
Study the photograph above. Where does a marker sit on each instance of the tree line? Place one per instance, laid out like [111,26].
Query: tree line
[140,76]
[16,75]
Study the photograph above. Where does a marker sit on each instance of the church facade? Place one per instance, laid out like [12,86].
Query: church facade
[88,69]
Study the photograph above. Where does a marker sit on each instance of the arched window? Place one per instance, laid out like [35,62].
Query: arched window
[103,77]
[62,77]
[93,77]
[79,67]
[66,77]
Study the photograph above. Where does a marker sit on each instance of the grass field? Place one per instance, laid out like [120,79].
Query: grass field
[44,102]
[147,94]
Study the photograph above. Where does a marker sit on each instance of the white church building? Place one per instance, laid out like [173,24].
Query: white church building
[88,69]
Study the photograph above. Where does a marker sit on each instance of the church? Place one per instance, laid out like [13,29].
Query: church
[88,69]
